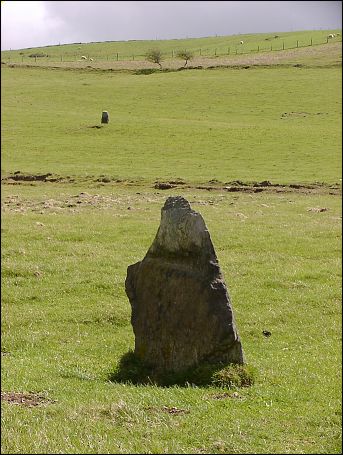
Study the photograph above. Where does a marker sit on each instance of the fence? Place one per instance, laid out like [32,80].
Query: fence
[238,49]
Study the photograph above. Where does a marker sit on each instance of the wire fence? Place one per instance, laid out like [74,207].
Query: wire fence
[236,49]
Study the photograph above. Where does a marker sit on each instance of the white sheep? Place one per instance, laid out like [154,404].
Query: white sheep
[241,42]
[91,59]
[331,35]
[83,57]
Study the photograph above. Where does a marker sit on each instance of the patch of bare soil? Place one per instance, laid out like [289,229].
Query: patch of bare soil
[256,187]
[163,186]
[71,203]
[169,410]
[174,410]
[224,395]
[300,114]
[29,399]
[318,209]
[19,177]
[29,178]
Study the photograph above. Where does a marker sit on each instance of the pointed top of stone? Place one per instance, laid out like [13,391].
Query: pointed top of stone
[182,231]
[176,202]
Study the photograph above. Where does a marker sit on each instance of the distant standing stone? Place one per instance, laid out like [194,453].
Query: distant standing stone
[104,117]
[181,309]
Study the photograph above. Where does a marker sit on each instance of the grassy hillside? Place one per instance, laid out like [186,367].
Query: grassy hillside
[209,46]
[67,242]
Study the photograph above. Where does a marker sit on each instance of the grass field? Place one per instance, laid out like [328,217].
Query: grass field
[254,124]
[66,245]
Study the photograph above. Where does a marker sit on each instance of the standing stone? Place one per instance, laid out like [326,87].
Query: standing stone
[181,310]
[104,117]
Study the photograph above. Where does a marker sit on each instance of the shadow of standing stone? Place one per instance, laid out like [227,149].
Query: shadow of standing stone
[182,316]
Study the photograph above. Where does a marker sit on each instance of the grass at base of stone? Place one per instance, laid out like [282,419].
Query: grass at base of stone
[132,370]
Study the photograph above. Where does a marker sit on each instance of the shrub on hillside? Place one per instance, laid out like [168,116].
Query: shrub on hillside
[185,55]
[154,56]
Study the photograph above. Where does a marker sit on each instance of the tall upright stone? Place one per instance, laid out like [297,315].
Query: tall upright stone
[181,310]
[105,117]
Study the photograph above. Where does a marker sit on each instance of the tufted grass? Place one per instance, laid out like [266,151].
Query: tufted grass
[133,371]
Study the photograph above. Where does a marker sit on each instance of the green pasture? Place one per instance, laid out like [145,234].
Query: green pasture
[66,322]
[277,124]
[208,46]
[66,247]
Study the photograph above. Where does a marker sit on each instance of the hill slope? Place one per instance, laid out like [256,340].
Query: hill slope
[130,54]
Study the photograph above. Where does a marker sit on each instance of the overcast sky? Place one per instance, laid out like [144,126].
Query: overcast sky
[32,24]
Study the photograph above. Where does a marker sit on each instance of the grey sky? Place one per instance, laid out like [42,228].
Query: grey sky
[39,23]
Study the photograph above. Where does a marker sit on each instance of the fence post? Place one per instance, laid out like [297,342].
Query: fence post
[107,57]
[35,59]
[297,43]
[283,45]
[61,58]
[215,51]
[271,47]
[258,48]
[327,39]
[200,51]
[311,41]
[133,57]
[117,56]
